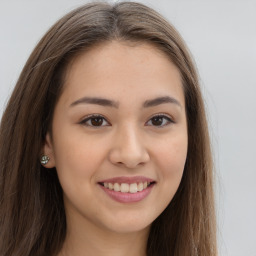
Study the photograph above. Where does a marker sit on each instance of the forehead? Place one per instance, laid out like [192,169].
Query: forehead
[117,68]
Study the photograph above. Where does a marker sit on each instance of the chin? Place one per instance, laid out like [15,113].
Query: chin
[128,223]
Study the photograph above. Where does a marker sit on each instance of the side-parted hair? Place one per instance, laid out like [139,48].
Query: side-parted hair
[32,215]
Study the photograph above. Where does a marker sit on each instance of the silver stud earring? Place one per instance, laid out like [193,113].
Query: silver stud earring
[44,159]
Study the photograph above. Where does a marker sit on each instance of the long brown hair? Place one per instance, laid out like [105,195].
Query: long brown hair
[32,216]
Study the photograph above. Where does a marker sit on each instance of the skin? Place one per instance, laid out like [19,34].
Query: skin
[128,142]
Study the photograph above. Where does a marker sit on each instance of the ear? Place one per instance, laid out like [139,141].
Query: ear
[48,151]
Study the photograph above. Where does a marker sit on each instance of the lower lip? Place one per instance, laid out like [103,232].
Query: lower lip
[128,197]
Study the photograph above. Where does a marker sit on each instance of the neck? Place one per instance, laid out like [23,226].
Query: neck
[90,240]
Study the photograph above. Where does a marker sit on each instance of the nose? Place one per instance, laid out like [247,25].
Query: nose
[128,148]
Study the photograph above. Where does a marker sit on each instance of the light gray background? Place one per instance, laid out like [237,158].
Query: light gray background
[222,38]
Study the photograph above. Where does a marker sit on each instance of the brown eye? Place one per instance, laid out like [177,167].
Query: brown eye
[95,121]
[159,120]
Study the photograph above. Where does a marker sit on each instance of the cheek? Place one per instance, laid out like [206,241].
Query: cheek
[172,154]
[77,159]
[171,158]
[77,163]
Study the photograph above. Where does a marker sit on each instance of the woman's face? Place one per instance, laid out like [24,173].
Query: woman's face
[120,122]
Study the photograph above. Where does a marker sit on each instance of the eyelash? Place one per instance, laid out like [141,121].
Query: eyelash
[167,119]
[91,117]
[163,116]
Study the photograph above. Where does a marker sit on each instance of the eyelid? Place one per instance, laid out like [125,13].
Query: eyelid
[166,116]
[163,114]
[91,116]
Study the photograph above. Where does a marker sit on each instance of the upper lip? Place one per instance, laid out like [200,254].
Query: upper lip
[128,180]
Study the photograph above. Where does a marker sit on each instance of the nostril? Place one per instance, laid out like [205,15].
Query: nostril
[119,163]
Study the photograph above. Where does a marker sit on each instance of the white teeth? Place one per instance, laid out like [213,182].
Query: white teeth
[110,186]
[133,188]
[140,186]
[127,188]
[116,187]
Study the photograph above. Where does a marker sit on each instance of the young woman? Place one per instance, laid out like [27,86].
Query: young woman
[104,147]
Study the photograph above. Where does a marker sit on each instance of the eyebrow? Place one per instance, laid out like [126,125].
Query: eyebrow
[96,101]
[115,104]
[160,100]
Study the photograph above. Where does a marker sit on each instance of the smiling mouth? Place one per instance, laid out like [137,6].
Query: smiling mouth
[127,188]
